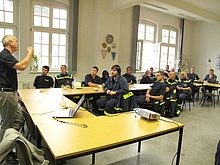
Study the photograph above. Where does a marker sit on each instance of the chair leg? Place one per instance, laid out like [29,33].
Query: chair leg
[203,101]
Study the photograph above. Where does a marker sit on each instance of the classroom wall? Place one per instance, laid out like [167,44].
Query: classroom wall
[205,44]
[97,19]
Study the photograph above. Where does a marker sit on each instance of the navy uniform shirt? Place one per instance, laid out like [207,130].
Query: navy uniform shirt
[43,82]
[193,77]
[210,80]
[146,80]
[158,88]
[185,83]
[8,75]
[130,78]
[63,79]
[89,78]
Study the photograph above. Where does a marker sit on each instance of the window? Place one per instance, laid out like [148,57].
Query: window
[50,34]
[152,54]
[145,45]
[7,24]
[168,47]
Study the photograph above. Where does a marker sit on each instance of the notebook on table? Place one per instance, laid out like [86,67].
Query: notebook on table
[70,112]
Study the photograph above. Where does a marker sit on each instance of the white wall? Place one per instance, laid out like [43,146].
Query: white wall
[205,43]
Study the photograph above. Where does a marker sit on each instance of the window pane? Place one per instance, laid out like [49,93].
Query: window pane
[63,14]
[37,37]
[55,51]
[141,31]
[56,23]
[62,60]
[45,11]
[1,4]
[37,21]
[62,51]
[148,55]
[149,33]
[45,61]
[165,35]
[9,17]
[172,37]
[138,56]
[55,63]
[171,57]
[163,57]
[55,39]
[45,50]
[37,10]
[9,31]
[62,39]
[62,24]
[8,5]
[45,38]
[56,13]
[2,16]
[45,22]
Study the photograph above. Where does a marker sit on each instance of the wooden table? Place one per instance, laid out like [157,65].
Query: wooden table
[69,138]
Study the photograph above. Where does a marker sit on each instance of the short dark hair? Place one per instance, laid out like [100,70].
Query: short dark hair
[104,73]
[63,65]
[211,70]
[46,67]
[118,68]
[95,67]
[129,67]
[161,73]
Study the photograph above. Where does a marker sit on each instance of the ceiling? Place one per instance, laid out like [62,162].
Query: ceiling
[196,10]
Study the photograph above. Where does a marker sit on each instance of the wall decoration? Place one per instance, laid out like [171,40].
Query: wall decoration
[113,55]
[109,39]
[114,45]
[108,49]
[103,53]
[104,45]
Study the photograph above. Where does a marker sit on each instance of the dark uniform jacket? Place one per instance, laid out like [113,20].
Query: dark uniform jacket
[130,78]
[120,85]
[43,82]
[63,79]
[193,77]
[89,78]
[146,80]
[185,83]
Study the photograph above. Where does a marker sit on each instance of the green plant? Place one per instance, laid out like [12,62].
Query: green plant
[35,59]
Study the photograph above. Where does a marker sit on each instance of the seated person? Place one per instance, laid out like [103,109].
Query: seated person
[217,154]
[63,79]
[105,76]
[146,79]
[129,77]
[93,80]
[194,78]
[166,71]
[176,76]
[154,96]
[171,97]
[210,78]
[43,81]
[184,89]
[152,75]
[114,86]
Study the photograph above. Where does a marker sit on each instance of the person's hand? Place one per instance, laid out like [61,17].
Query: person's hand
[148,97]
[30,50]
[108,92]
[112,92]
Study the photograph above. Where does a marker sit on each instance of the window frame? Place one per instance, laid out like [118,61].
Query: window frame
[51,30]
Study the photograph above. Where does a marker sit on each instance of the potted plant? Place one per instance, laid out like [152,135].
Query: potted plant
[35,60]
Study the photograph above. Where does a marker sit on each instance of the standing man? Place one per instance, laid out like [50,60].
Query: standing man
[11,116]
[129,77]
[43,81]
[92,79]
[114,86]
[63,79]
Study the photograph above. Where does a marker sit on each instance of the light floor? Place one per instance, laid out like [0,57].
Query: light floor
[200,138]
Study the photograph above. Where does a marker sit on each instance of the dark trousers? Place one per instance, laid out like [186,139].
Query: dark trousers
[181,96]
[106,104]
[217,155]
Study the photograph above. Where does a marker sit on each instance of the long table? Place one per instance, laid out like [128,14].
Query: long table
[85,133]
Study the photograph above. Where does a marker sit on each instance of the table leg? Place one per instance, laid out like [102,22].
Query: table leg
[139,146]
[179,146]
[93,158]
